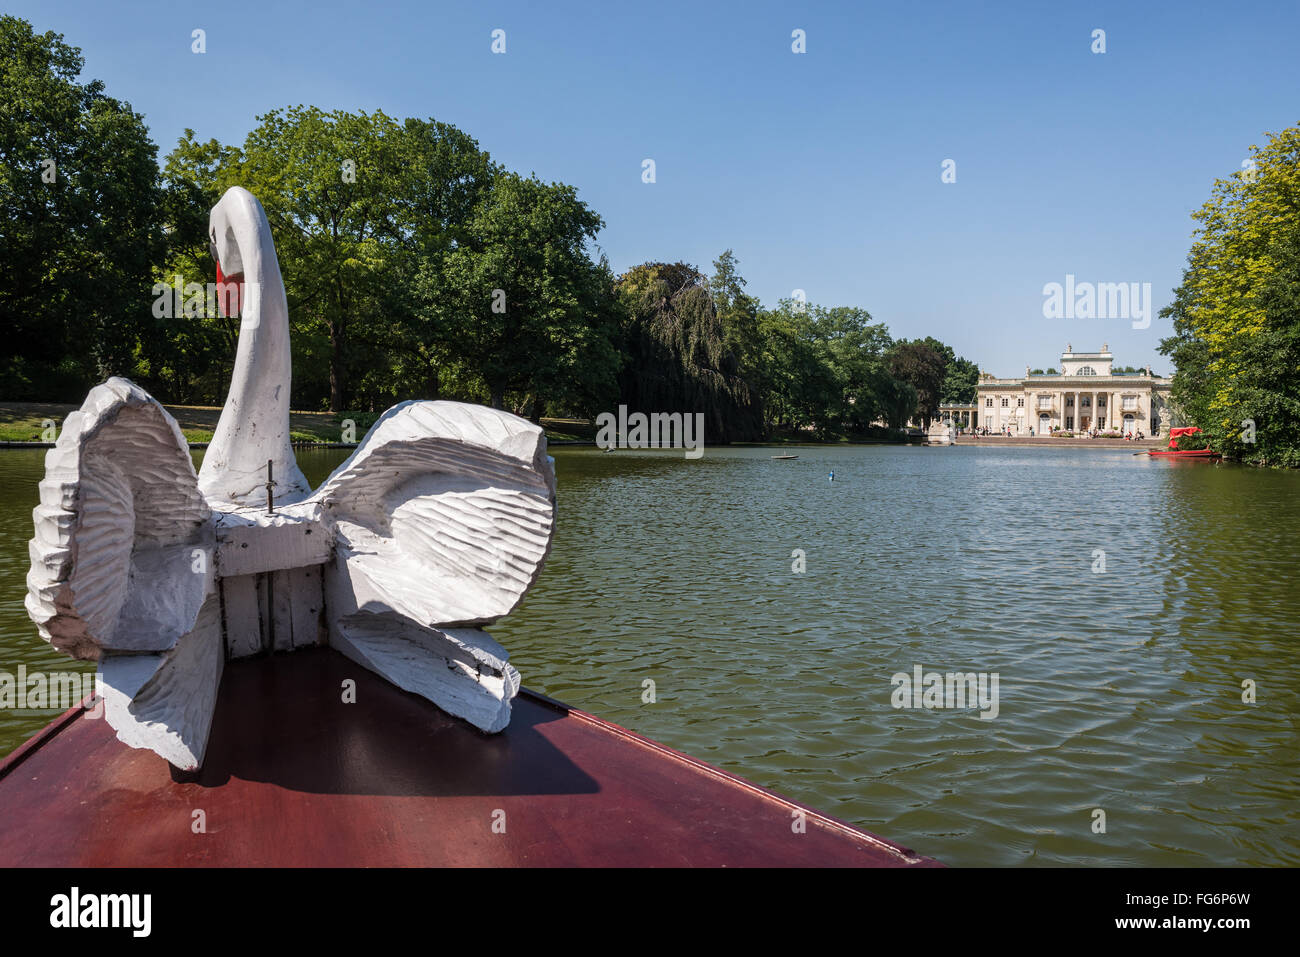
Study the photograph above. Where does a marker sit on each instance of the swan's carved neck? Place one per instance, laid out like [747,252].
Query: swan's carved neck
[254,425]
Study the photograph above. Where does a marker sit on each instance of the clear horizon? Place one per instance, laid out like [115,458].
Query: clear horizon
[821,170]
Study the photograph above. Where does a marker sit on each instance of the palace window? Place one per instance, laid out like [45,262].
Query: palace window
[1130,402]
[1086,370]
[1020,403]
[988,403]
[1044,401]
[1004,402]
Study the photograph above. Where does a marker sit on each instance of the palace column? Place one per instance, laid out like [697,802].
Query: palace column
[1094,408]
[1060,405]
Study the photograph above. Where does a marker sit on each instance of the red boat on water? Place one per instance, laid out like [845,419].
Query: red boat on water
[1173,449]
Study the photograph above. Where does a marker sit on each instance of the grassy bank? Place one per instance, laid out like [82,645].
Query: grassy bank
[28,421]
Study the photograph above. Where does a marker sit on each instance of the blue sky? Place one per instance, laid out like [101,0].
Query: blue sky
[821,170]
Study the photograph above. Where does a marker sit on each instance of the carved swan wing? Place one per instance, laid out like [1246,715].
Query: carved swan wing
[120,514]
[442,519]
[121,568]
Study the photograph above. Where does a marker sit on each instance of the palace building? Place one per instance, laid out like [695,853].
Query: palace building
[1084,394]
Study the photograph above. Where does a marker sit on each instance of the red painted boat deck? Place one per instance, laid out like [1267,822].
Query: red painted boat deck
[295,777]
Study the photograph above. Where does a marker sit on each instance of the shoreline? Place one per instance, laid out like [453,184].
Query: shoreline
[1047,440]
[988,440]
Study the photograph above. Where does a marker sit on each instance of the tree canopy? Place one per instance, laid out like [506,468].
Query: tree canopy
[80,220]
[1236,315]
[414,266]
[520,304]
[678,356]
[922,364]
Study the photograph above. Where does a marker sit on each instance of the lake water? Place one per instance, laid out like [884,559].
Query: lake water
[1119,690]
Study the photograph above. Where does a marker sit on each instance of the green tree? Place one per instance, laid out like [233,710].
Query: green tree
[338,189]
[191,351]
[900,403]
[1236,315]
[959,381]
[824,368]
[802,390]
[738,312]
[923,367]
[676,353]
[854,348]
[413,265]
[520,303]
[80,221]
[360,205]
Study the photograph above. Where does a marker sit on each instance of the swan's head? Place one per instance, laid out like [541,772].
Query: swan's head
[236,228]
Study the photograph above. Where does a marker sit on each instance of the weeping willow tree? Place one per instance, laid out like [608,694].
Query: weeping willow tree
[677,355]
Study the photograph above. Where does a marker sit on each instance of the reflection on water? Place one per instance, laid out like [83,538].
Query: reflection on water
[1120,690]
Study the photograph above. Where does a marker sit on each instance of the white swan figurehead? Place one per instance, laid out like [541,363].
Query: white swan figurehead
[434,527]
